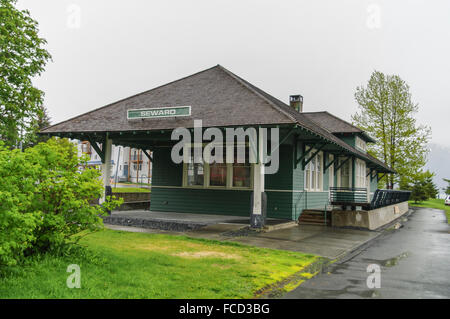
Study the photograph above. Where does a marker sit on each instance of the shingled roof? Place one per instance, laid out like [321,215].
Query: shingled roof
[217,96]
[335,125]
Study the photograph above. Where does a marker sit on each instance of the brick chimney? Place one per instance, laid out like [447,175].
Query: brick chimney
[296,101]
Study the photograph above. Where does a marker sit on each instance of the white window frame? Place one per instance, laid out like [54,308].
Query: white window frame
[312,173]
[360,173]
[361,144]
[331,171]
[338,173]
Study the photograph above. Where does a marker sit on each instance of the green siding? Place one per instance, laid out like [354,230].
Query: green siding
[164,171]
[201,201]
[285,190]
[279,205]
[281,180]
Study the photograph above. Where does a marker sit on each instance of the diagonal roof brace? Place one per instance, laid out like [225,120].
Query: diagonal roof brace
[148,155]
[341,164]
[97,149]
[304,163]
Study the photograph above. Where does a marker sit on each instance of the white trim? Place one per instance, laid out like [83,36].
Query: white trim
[318,174]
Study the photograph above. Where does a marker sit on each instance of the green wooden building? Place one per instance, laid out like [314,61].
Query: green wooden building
[323,159]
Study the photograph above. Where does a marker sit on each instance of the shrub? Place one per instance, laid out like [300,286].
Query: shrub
[45,199]
[18,220]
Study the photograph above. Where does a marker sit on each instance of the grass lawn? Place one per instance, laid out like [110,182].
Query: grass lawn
[120,264]
[434,203]
[130,190]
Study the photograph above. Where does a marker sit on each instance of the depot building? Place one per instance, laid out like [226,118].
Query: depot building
[319,154]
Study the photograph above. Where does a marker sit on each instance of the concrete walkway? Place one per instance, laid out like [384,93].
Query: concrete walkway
[332,243]
[328,242]
[414,262]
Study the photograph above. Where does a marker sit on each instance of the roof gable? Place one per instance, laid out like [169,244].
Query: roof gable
[214,95]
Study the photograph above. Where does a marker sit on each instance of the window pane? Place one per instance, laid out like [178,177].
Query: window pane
[308,179]
[218,174]
[241,171]
[195,174]
[241,175]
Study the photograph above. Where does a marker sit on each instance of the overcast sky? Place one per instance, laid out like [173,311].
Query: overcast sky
[104,51]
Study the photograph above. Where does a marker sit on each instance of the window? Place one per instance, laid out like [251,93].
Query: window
[195,174]
[331,171]
[361,144]
[360,171]
[344,173]
[314,173]
[242,171]
[219,175]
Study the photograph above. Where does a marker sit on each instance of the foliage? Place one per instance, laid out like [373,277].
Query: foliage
[423,187]
[18,220]
[418,192]
[386,112]
[45,199]
[447,190]
[22,57]
[42,121]
[141,265]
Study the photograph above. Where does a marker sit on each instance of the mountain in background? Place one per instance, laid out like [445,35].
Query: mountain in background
[439,163]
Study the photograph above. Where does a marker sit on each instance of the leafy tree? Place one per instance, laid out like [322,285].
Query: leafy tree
[42,121]
[447,190]
[22,57]
[386,111]
[45,198]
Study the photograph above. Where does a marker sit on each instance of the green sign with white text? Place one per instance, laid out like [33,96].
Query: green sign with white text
[158,112]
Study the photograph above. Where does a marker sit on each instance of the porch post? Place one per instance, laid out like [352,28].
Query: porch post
[257,218]
[106,167]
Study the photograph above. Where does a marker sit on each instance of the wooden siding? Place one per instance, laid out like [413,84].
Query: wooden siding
[285,191]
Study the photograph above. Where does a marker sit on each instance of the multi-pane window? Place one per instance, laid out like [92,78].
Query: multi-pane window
[344,173]
[360,173]
[361,144]
[241,171]
[216,174]
[314,173]
[331,171]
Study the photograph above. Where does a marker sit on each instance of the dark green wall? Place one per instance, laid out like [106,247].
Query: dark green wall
[285,196]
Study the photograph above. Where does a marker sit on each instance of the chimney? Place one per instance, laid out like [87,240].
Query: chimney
[296,101]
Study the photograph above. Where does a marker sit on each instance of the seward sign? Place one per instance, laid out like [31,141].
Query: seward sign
[158,112]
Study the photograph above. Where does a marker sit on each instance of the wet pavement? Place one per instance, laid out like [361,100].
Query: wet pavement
[414,262]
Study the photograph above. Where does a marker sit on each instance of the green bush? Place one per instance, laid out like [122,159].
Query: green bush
[44,199]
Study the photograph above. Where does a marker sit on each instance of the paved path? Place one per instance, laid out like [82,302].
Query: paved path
[414,260]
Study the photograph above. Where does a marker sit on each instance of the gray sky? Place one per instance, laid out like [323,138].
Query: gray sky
[104,51]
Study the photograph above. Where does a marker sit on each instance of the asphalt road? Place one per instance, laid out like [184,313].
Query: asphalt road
[414,261]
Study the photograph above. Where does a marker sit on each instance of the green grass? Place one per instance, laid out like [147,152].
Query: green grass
[434,203]
[120,264]
[130,190]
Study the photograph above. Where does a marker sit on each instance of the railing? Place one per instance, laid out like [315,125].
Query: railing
[386,197]
[348,195]
[352,196]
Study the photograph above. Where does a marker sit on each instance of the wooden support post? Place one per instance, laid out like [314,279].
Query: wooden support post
[257,219]
[106,165]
